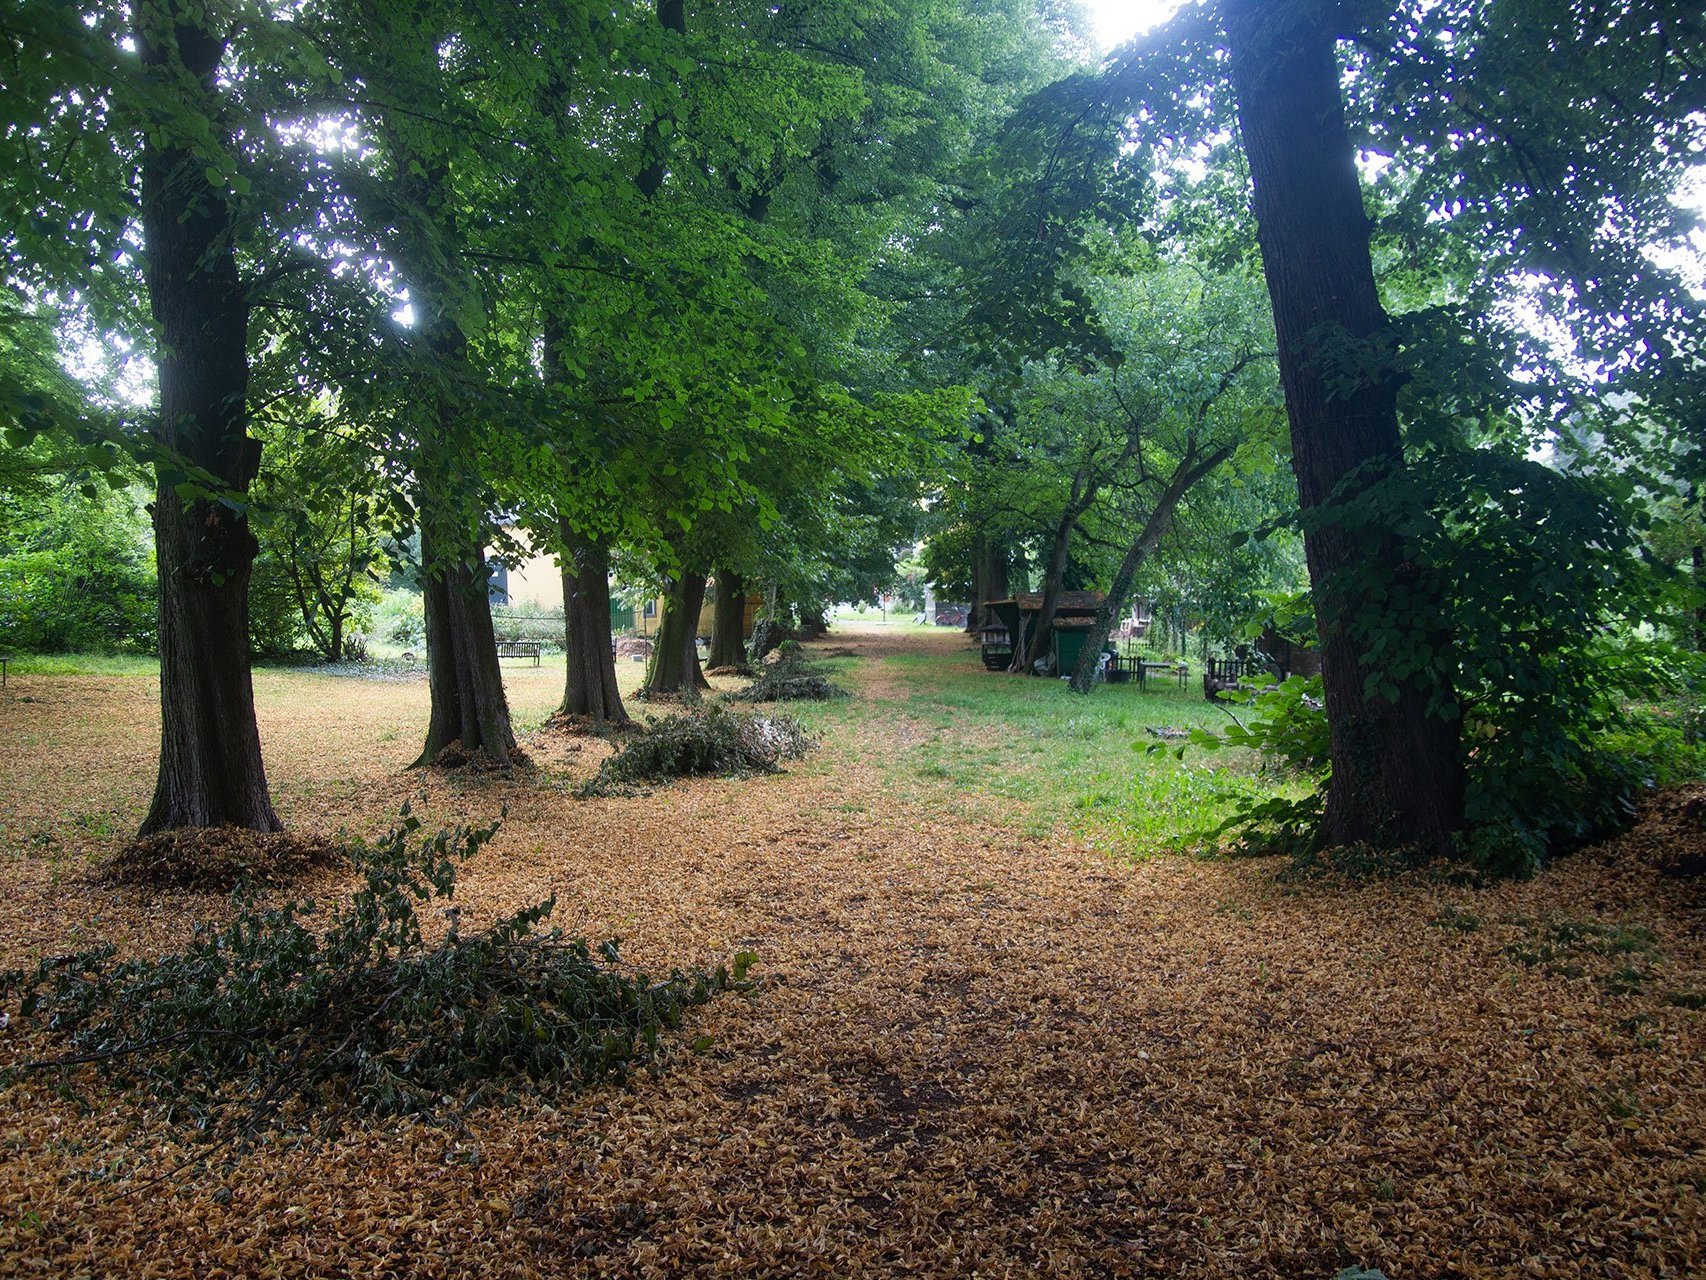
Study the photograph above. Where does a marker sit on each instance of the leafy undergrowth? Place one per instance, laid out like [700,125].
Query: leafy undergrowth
[274,1012]
[217,859]
[705,739]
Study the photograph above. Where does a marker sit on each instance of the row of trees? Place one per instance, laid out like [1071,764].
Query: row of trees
[743,289]
[608,275]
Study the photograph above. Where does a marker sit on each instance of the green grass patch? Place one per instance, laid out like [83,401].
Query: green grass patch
[1031,754]
[82,664]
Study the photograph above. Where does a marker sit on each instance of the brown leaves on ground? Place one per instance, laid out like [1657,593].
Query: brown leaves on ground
[454,755]
[1671,834]
[216,859]
[973,1054]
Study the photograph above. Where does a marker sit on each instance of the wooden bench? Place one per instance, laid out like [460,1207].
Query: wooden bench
[519,649]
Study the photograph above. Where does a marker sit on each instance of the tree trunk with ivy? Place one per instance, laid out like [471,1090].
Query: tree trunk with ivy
[1397,770]
[210,771]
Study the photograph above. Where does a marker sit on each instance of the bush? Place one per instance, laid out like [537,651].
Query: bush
[791,679]
[1519,609]
[367,1012]
[708,739]
[400,618]
[275,619]
[78,576]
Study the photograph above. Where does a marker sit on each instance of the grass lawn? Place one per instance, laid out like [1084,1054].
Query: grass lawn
[1031,753]
[998,1031]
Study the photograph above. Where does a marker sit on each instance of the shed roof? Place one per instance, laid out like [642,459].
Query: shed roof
[1082,603]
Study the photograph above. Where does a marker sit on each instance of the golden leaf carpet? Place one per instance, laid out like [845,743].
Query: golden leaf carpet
[970,1054]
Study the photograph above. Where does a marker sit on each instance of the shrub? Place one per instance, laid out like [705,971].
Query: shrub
[79,575]
[366,1012]
[400,618]
[708,739]
[275,619]
[791,679]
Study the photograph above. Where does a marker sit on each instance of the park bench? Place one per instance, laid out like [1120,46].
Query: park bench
[519,649]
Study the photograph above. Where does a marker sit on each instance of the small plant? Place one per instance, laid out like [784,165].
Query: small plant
[269,1010]
[791,678]
[706,739]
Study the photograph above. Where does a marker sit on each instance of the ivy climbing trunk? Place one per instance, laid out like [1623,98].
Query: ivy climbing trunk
[674,668]
[728,622]
[589,687]
[1397,770]
[210,750]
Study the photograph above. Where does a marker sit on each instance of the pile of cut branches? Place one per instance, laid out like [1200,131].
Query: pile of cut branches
[706,739]
[268,1010]
[791,677]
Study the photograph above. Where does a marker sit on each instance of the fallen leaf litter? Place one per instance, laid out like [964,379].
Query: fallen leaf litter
[970,1055]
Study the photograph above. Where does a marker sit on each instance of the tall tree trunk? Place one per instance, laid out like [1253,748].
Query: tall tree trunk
[1397,771]
[989,580]
[979,583]
[728,626]
[1188,473]
[589,687]
[674,667]
[210,750]
[463,677]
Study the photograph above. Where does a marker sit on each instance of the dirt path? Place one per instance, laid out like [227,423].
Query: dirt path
[965,1058]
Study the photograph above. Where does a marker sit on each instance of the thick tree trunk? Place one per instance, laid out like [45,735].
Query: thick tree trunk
[589,687]
[979,583]
[210,750]
[469,708]
[989,580]
[674,668]
[728,626]
[1397,771]
[1189,472]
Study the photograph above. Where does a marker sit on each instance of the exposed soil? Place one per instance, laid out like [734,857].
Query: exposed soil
[969,1056]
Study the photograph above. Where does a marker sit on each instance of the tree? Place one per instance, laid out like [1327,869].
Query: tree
[318,491]
[210,750]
